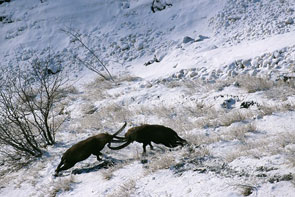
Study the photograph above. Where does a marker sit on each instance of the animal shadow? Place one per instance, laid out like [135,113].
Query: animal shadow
[110,162]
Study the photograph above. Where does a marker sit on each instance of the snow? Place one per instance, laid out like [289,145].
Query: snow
[191,67]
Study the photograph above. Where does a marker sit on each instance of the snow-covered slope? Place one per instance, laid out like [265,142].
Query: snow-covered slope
[223,79]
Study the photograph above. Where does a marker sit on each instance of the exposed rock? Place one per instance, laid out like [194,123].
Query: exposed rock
[5,19]
[201,38]
[234,18]
[247,104]
[289,21]
[187,39]
[2,1]
[158,5]
[228,103]
[152,61]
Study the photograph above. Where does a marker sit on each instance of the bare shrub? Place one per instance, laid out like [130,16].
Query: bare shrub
[27,99]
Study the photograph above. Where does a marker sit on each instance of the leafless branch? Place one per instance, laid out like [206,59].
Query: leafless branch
[78,38]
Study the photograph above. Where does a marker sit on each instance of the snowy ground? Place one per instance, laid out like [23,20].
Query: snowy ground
[230,93]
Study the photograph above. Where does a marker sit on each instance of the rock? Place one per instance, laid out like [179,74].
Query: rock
[179,75]
[139,45]
[201,38]
[193,74]
[234,18]
[246,62]
[125,47]
[247,104]
[276,54]
[291,10]
[254,63]
[228,104]
[2,1]
[5,19]
[126,5]
[236,84]
[232,73]
[289,21]
[187,39]
[266,62]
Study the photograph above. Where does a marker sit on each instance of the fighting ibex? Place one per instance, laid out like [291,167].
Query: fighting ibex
[82,150]
[151,133]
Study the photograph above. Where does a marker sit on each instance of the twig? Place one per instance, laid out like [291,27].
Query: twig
[78,38]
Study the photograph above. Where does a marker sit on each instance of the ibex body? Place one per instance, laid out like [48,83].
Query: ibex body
[82,150]
[151,133]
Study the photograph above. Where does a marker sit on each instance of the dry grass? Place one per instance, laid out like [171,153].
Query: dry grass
[238,132]
[280,92]
[163,161]
[106,116]
[181,119]
[269,109]
[246,190]
[62,185]
[88,108]
[260,147]
[254,84]
[97,90]
[189,86]
[127,78]
[291,159]
[202,139]
[249,83]
[68,90]
[124,190]
[108,173]
[221,118]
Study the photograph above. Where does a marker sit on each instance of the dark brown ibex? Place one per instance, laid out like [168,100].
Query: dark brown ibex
[151,133]
[82,150]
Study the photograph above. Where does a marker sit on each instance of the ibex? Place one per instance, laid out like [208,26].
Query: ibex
[82,150]
[151,133]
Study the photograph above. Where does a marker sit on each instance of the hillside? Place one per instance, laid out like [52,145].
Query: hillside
[218,72]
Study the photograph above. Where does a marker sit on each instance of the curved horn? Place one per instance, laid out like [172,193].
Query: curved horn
[119,147]
[118,141]
[119,138]
[120,130]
